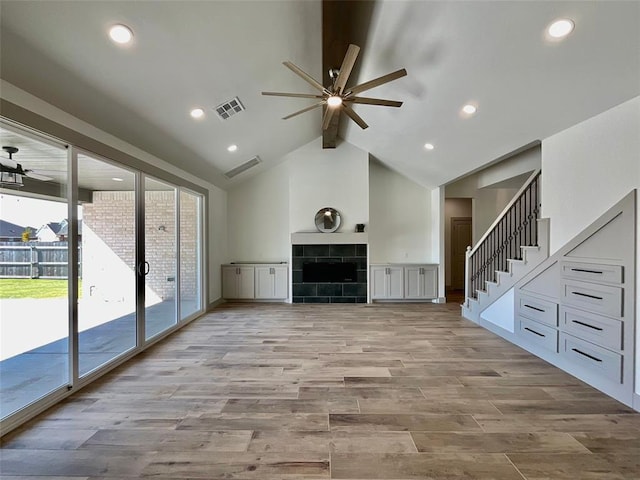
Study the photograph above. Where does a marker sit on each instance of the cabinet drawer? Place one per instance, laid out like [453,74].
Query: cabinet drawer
[540,310]
[597,360]
[603,331]
[603,299]
[592,272]
[538,334]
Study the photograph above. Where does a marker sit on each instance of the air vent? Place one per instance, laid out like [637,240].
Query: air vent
[243,168]
[229,108]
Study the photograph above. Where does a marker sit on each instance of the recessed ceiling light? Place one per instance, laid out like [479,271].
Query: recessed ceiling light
[429,146]
[120,34]
[197,113]
[116,179]
[560,28]
[232,148]
[469,109]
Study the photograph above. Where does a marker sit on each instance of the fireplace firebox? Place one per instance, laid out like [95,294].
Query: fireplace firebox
[329,272]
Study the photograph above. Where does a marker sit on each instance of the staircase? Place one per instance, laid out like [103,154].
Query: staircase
[514,245]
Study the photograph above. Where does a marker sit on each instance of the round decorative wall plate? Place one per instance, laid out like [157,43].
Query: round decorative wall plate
[327,220]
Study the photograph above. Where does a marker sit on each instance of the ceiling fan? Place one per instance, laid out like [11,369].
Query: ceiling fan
[11,172]
[338,98]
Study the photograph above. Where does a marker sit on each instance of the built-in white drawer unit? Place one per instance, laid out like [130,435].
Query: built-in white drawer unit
[538,334]
[605,299]
[596,360]
[540,310]
[594,328]
[592,272]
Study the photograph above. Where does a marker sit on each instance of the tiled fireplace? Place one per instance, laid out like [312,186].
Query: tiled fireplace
[329,273]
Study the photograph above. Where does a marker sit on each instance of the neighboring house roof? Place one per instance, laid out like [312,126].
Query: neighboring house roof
[10,230]
[64,228]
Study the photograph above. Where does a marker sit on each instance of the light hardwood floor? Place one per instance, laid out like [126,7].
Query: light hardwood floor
[270,391]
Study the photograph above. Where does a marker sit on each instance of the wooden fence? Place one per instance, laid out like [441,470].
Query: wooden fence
[35,259]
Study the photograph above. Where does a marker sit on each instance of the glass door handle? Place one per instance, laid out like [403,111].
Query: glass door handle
[143,268]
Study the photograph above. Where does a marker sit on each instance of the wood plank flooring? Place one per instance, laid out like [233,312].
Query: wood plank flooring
[271,391]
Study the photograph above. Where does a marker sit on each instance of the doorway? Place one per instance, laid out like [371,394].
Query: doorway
[458,236]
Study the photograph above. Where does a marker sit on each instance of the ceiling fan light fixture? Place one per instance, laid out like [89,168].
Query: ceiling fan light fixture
[334,101]
[121,34]
[11,180]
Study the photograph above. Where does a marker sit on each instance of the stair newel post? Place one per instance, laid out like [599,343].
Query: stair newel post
[467,274]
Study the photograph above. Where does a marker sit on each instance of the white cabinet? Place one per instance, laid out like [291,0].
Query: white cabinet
[237,281]
[271,282]
[420,282]
[255,281]
[404,282]
[387,282]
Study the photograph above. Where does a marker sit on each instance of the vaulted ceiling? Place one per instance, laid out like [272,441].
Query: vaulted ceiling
[203,53]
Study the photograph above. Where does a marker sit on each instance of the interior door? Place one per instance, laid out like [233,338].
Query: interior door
[460,240]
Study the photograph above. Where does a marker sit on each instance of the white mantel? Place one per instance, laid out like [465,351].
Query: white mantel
[317,238]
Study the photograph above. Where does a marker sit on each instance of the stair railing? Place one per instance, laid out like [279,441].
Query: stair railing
[515,227]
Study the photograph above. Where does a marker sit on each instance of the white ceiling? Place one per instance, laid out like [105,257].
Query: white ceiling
[203,53]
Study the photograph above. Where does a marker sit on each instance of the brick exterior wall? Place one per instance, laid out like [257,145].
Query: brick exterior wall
[110,216]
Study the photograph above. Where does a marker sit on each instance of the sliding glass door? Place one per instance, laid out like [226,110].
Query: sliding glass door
[34,275]
[138,244]
[107,274]
[160,247]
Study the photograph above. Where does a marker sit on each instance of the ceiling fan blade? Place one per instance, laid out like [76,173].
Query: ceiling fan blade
[296,95]
[305,76]
[9,163]
[37,176]
[376,82]
[328,115]
[374,101]
[347,65]
[315,105]
[354,116]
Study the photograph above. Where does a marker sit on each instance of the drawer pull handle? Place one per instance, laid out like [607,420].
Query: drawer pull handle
[587,295]
[586,325]
[586,355]
[534,308]
[583,270]
[533,331]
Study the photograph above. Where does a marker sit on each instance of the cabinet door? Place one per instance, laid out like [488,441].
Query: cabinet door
[379,282]
[430,282]
[281,285]
[271,282]
[414,282]
[229,282]
[264,282]
[395,279]
[246,282]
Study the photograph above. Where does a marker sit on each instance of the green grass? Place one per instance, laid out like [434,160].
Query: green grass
[32,288]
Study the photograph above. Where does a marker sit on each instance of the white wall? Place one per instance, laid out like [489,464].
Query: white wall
[400,218]
[493,187]
[258,217]
[216,218]
[337,178]
[588,168]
